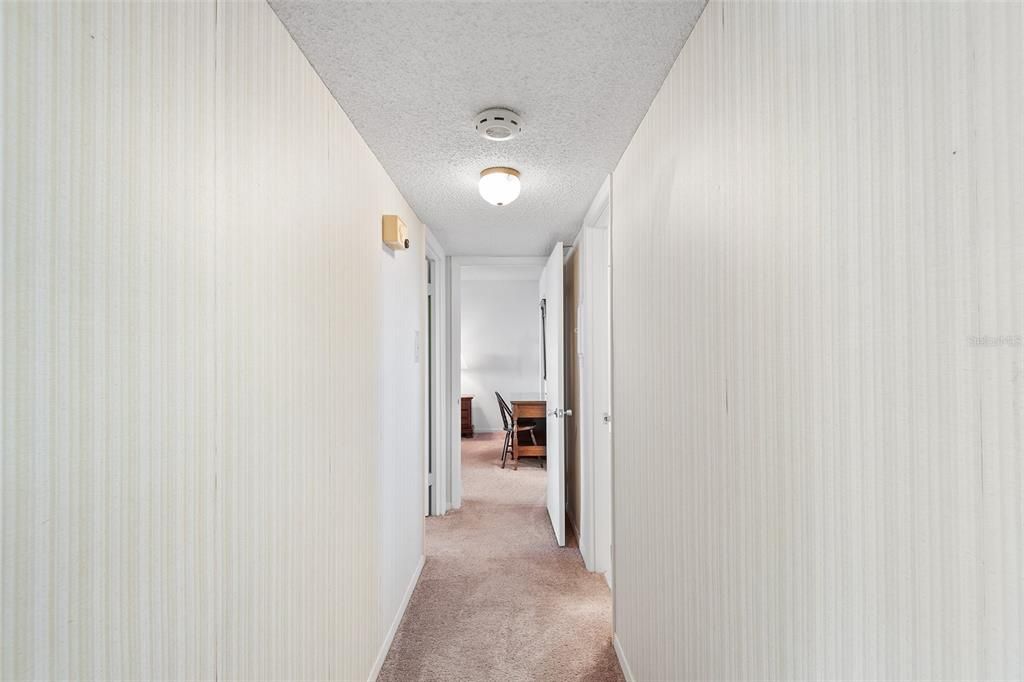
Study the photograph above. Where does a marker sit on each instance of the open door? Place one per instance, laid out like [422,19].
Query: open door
[553,349]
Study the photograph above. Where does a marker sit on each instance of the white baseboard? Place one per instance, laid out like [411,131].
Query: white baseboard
[627,672]
[385,647]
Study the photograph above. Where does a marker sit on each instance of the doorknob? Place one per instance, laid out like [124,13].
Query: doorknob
[559,412]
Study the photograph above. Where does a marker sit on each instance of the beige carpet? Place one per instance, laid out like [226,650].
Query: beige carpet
[498,600]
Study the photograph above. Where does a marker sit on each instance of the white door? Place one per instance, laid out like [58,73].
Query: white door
[551,301]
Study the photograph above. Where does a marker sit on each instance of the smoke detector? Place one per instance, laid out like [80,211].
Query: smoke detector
[498,124]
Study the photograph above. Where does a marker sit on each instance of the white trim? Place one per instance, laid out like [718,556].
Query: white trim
[385,647]
[501,261]
[454,462]
[424,347]
[503,273]
[612,572]
[439,350]
[627,672]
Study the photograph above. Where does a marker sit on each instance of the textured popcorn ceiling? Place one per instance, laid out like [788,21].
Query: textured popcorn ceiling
[411,76]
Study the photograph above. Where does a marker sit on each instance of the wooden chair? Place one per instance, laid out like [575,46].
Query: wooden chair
[510,426]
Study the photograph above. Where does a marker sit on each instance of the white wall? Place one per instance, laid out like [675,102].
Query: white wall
[818,467]
[199,329]
[402,363]
[500,344]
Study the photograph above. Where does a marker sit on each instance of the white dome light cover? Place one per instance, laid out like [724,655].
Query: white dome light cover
[499,185]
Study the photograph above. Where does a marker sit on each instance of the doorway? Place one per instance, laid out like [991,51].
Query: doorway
[436,480]
[588,387]
[468,278]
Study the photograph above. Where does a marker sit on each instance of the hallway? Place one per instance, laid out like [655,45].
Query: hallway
[497,599]
[757,265]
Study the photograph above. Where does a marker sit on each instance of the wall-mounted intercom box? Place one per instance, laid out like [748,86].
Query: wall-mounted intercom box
[393,232]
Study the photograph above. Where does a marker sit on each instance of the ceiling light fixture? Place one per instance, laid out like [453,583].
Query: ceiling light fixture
[498,124]
[499,185]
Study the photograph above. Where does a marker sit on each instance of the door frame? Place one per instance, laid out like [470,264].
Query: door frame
[436,375]
[453,455]
[596,225]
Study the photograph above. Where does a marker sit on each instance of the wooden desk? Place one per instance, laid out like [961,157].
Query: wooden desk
[467,416]
[533,410]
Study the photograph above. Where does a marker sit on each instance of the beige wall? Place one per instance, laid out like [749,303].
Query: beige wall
[818,466]
[193,299]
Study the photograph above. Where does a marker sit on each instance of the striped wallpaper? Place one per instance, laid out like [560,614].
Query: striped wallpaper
[193,299]
[818,307]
